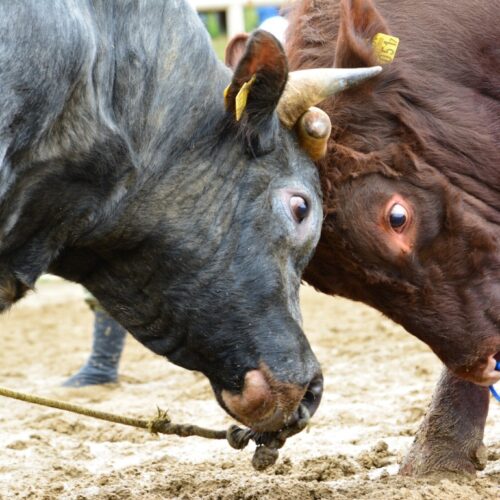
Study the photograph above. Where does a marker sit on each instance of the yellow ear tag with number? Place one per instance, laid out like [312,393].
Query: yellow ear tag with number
[241,98]
[385,47]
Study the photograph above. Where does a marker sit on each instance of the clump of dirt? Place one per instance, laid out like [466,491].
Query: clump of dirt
[378,456]
[327,468]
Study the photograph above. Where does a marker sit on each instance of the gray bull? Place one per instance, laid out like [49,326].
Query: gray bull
[123,168]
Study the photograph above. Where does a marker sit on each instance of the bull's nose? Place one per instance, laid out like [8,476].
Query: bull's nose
[267,405]
[255,403]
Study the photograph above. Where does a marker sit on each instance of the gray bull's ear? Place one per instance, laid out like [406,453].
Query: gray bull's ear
[253,94]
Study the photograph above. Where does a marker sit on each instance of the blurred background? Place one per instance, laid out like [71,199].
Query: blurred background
[225,18]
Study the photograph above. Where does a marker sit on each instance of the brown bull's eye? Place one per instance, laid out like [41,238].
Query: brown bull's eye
[299,208]
[398,217]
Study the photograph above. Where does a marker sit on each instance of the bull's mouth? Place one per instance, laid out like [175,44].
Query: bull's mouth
[278,414]
[484,373]
[496,360]
[306,409]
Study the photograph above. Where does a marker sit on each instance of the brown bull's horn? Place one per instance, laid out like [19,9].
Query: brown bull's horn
[313,131]
[309,87]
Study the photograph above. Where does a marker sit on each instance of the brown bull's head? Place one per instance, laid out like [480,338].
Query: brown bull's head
[410,183]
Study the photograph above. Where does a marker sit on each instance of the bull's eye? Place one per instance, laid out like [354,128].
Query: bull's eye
[398,217]
[299,208]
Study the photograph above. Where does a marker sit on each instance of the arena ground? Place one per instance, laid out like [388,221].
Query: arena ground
[378,382]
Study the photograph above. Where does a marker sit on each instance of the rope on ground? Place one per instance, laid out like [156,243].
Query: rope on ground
[159,425]
[265,454]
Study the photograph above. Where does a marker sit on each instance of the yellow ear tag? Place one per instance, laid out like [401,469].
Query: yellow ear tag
[241,98]
[226,91]
[385,47]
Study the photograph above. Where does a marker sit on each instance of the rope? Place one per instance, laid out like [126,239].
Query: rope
[494,393]
[265,454]
[159,425]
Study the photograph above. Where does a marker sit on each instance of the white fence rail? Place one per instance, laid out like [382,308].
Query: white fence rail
[234,10]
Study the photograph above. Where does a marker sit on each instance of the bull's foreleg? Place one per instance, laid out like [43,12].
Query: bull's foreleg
[451,435]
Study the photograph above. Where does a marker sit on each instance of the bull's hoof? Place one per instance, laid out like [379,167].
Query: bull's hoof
[424,459]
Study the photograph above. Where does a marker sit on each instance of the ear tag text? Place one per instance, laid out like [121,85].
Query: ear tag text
[385,47]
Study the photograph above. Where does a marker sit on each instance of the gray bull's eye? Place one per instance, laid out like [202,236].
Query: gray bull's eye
[299,208]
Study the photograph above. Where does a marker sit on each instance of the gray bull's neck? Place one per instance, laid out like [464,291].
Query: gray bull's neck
[168,82]
[115,93]
[167,104]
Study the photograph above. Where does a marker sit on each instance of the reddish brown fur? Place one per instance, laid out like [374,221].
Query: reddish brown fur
[427,130]
[427,127]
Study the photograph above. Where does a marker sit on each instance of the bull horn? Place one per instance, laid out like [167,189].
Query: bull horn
[313,131]
[308,87]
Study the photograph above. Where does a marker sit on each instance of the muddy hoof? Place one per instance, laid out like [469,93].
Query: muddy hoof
[264,457]
[424,460]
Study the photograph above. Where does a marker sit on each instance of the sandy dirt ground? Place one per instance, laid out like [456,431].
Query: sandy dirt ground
[378,383]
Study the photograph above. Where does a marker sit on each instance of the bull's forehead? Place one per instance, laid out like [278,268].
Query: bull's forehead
[290,160]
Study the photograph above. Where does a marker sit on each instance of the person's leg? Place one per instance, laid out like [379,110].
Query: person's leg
[107,346]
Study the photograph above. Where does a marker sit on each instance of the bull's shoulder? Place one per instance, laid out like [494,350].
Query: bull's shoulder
[42,49]
[46,56]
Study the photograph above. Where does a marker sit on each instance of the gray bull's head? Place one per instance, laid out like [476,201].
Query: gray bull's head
[198,228]
[235,223]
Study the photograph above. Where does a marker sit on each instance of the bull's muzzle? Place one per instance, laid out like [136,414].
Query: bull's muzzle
[266,404]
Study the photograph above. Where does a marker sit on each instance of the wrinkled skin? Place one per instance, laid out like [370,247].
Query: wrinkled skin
[411,192]
[121,169]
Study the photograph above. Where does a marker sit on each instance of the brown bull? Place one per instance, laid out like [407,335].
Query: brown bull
[411,184]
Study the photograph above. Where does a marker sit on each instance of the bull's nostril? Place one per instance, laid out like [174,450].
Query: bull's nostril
[255,402]
[265,404]
[314,391]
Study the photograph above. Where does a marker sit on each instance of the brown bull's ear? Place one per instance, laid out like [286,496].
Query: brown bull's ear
[360,21]
[253,94]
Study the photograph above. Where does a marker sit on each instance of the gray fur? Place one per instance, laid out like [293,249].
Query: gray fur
[122,171]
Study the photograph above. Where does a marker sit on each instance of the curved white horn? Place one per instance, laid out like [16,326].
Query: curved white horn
[308,87]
